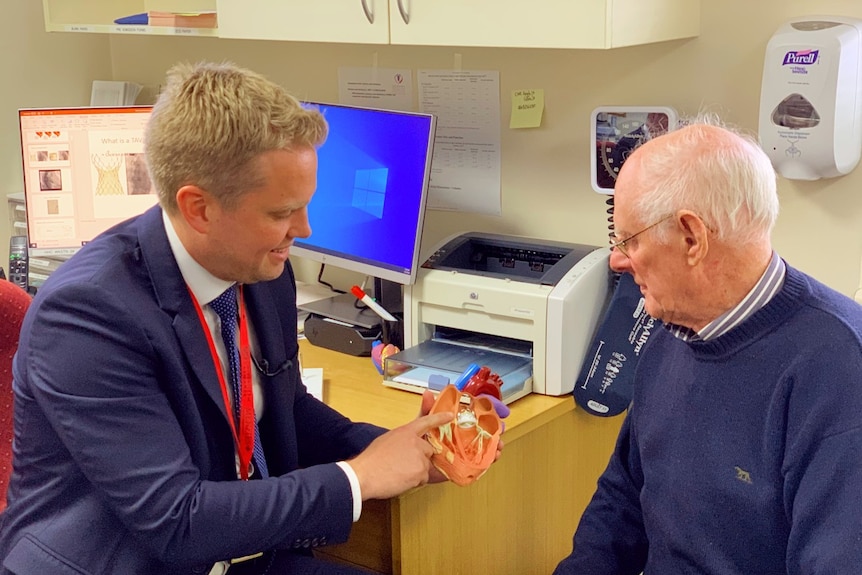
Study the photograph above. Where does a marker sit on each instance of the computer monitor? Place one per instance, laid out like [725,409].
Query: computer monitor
[84,171]
[372,184]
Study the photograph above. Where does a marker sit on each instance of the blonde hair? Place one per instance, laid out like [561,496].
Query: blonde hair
[210,124]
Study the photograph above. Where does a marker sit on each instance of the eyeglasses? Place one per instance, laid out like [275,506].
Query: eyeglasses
[621,245]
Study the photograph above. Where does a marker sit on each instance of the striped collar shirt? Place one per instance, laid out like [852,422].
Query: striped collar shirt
[763,291]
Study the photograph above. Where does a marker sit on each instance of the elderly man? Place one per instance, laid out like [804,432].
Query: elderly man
[741,451]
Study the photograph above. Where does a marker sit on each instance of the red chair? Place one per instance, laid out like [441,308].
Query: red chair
[14,302]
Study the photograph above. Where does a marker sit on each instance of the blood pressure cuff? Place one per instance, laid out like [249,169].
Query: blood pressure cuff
[605,385]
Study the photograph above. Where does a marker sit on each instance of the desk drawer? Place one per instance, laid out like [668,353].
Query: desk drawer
[370,543]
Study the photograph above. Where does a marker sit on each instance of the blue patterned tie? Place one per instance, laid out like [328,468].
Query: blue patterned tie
[226,307]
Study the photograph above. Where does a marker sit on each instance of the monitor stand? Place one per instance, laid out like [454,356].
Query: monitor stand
[336,323]
[342,307]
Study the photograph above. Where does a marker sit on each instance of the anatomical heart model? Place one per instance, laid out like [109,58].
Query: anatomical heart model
[466,446]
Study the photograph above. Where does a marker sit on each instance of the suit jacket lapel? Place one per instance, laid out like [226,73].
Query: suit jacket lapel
[174,298]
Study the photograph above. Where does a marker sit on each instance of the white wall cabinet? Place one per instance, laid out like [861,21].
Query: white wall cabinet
[352,21]
[573,24]
[588,24]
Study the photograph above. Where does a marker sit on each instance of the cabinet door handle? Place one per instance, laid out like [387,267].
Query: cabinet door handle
[368,13]
[405,15]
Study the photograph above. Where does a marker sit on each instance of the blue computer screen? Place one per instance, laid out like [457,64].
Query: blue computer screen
[368,210]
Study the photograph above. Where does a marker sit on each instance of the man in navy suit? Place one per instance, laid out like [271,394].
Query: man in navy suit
[129,456]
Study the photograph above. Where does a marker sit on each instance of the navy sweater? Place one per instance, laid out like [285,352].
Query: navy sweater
[740,455]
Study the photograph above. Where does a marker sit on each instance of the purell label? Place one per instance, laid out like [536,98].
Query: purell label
[801,57]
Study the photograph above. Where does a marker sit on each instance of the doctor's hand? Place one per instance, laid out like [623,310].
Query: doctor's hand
[398,460]
[434,474]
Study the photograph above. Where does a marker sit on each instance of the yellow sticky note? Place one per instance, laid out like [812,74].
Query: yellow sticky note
[527,108]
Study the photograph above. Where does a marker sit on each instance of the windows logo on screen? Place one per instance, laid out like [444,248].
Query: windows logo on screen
[369,190]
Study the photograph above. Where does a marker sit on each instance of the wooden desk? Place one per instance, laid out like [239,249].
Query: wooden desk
[518,518]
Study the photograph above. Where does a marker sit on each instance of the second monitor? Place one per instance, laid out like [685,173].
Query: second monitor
[372,184]
[367,214]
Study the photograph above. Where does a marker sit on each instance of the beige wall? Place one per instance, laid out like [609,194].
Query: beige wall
[545,172]
[39,69]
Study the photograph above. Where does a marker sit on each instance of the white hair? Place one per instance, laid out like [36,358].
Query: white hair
[716,171]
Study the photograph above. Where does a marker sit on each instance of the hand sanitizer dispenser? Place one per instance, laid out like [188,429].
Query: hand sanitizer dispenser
[811,98]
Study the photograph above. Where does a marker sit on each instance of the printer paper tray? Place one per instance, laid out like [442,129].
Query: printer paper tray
[410,368]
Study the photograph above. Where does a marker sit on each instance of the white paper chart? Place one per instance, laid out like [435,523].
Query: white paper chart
[465,171]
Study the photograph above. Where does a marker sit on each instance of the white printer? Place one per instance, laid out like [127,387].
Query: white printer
[527,308]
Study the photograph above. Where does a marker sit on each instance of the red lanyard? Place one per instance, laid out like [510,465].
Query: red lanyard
[244,437]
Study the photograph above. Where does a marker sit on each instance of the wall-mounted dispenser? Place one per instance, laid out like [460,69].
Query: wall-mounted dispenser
[811,97]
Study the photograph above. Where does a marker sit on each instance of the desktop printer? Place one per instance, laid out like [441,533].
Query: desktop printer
[527,308]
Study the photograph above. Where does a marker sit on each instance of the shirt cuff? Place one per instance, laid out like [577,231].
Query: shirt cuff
[354,488]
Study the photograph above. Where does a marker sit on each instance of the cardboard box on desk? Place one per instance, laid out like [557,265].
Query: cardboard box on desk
[183,19]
